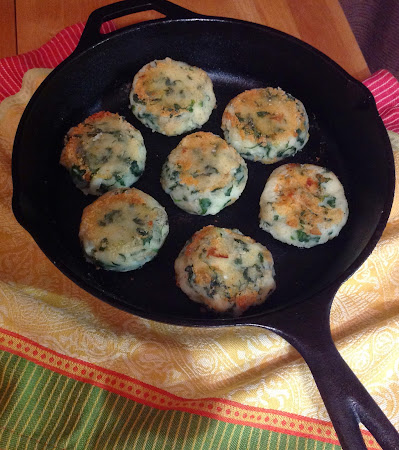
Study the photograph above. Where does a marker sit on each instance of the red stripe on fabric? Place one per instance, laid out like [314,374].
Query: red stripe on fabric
[393,120]
[49,55]
[385,89]
[393,117]
[377,78]
[384,79]
[141,383]
[71,38]
[387,103]
[193,410]
[180,403]
[74,33]
[283,430]
[387,96]
[19,63]
[10,67]
[374,76]
[69,47]
[57,51]
[107,27]
[31,59]
[5,88]
[380,86]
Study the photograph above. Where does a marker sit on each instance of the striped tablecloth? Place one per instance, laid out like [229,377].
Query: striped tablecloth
[78,373]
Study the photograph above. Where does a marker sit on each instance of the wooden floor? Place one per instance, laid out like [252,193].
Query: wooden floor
[27,24]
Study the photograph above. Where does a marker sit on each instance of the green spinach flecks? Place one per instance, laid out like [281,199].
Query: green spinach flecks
[228,191]
[304,237]
[135,169]
[137,99]
[103,244]
[246,275]
[191,106]
[190,274]
[253,273]
[239,174]
[331,202]
[208,170]
[110,217]
[169,82]
[205,203]
[147,239]
[77,173]
[211,289]
[243,245]
[240,118]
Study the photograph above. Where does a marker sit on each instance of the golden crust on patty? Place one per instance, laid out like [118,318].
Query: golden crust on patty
[203,174]
[103,152]
[225,270]
[303,205]
[205,159]
[172,97]
[265,124]
[123,229]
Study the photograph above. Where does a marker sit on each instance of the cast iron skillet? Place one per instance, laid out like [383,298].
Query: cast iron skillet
[347,136]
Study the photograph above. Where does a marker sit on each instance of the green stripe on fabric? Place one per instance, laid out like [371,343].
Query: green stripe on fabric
[41,409]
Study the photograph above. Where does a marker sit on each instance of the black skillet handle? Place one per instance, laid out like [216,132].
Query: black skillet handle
[348,403]
[91,34]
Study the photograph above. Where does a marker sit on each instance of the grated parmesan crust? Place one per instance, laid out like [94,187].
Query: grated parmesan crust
[103,153]
[266,125]
[303,205]
[203,174]
[225,270]
[172,97]
[123,229]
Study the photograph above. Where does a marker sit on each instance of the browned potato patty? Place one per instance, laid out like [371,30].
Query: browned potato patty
[225,270]
[303,205]
[265,124]
[172,97]
[123,229]
[104,152]
[203,174]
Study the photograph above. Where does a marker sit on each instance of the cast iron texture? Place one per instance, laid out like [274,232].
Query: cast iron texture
[346,135]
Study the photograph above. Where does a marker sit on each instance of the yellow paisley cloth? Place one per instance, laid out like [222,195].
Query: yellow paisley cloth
[244,364]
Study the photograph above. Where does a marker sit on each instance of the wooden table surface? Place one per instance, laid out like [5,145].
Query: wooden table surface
[27,24]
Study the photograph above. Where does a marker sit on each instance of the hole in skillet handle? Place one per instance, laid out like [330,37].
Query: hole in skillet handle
[131,19]
[92,33]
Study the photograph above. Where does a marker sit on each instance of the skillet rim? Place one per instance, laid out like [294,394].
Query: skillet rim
[248,318]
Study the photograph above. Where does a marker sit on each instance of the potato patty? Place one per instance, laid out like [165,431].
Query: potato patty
[104,152]
[265,125]
[203,174]
[172,97]
[225,270]
[303,205]
[123,229]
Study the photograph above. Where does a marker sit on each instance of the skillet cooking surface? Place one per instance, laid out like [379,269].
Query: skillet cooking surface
[346,136]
